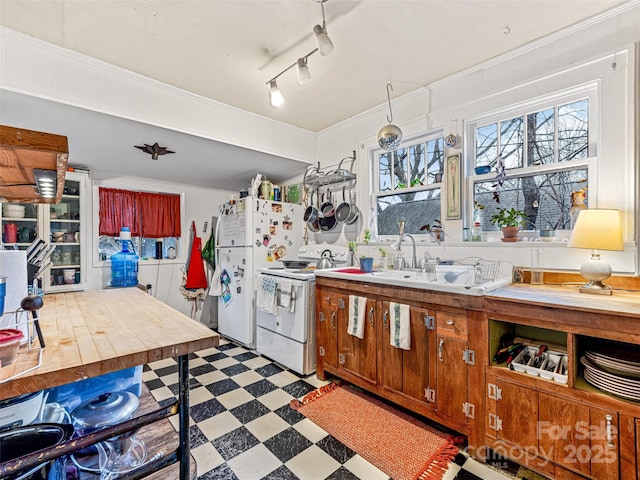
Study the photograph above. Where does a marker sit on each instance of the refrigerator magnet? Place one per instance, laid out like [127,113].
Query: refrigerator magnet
[265,240]
[272,229]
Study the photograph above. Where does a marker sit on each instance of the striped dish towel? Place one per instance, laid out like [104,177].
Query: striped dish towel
[357,312]
[400,325]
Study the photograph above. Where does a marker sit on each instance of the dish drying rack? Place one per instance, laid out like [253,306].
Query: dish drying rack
[486,271]
[29,350]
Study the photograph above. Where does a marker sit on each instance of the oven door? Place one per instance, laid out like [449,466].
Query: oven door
[291,320]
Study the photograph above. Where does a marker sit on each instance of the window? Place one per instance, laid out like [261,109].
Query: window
[538,156]
[407,185]
[152,218]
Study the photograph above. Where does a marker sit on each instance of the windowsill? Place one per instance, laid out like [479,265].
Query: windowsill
[145,262]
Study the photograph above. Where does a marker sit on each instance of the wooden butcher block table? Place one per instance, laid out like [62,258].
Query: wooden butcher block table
[88,334]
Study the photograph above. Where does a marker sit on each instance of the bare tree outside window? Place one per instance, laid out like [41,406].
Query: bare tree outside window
[417,167]
[552,136]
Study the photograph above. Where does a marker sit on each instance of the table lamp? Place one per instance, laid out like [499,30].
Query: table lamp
[597,229]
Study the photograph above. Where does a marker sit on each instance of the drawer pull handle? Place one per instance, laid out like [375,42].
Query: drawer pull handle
[333,320]
[385,319]
[449,322]
[440,349]
[371,316]
[609,431]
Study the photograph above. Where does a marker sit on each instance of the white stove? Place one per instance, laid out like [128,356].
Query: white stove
[286,319]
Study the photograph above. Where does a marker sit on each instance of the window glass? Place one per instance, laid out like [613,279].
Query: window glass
[545,199]
[541,134]
[537,157]
[408,186]
[415,208]
[511,139]
[573,131]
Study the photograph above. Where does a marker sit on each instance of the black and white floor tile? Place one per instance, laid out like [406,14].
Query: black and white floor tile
[242,427]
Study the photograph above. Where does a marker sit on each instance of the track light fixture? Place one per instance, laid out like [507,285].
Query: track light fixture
[276,95]
[325,47]
[304,75]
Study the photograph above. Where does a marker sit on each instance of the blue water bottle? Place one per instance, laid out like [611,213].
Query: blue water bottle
[124,265]
[3,293]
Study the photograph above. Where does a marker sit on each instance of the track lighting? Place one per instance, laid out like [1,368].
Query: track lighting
[304,75]
[325,47]
[276,95]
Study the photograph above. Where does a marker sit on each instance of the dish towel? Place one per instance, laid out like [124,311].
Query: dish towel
[357,312]
[400,325]
[266,298]
[284,293]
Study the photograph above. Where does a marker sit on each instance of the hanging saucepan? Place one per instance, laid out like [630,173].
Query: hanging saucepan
[354,211]
[327,209]
[311,213]
[314,226]
[342,211]
[327,224]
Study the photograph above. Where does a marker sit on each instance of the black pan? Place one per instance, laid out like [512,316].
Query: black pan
[327,224]
[311,213]
[295,264]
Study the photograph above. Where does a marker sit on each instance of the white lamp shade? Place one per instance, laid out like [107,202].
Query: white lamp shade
[276,96]
[597,229]
[325,46]
[304,75]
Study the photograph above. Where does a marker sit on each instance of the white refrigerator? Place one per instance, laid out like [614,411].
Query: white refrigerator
[251,234]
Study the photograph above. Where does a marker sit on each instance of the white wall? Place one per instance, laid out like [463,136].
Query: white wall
[576,56]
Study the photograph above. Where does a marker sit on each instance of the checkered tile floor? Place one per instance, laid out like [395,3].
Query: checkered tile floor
[242,427]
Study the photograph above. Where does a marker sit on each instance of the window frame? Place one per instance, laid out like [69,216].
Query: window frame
[589,91]
[376,193]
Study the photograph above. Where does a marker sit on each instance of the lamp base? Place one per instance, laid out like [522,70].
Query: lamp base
[596,287]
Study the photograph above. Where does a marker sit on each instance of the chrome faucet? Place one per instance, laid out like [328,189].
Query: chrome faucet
[414,261]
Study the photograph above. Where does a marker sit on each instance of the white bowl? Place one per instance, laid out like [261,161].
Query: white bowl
[13,211]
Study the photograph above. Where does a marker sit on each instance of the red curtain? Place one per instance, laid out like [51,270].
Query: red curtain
[151,215]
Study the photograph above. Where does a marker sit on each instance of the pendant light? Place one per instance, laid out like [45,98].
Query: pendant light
[389,136]
[304,75]
[325,45]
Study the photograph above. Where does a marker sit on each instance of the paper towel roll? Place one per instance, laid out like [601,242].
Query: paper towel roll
[13,265]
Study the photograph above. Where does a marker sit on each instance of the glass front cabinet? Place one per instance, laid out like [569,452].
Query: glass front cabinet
[59,225]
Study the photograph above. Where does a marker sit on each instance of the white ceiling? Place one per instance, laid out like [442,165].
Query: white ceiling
[228,50]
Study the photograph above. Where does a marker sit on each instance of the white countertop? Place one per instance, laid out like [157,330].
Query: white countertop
[411,279]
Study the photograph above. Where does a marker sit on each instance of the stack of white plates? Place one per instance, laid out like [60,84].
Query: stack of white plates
[619,377]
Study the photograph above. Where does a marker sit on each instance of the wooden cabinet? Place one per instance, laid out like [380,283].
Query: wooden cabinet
[572,435]
[430,378]
[406,372]
[451,367]
[338,350]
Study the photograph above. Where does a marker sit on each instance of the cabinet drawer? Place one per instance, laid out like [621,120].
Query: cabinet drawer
[451,324]
[329,299]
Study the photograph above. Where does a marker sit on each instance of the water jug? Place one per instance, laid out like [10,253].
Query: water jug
[124,265]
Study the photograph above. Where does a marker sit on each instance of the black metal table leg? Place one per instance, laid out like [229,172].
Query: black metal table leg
[183,416]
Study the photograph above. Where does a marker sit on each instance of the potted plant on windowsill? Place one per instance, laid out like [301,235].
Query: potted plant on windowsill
[509,220]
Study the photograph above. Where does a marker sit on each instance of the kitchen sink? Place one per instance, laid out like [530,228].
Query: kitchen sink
[456,282]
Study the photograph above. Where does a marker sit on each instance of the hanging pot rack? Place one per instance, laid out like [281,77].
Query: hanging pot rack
[314,177]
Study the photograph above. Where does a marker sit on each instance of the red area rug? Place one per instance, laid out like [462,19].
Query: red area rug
[398,444]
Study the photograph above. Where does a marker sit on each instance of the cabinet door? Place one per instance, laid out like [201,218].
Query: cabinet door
[358,355]
[62,226]
[20,224]
[451,377]
[517,415]
[604,451]
[327,328]
[561,433]
[406,371]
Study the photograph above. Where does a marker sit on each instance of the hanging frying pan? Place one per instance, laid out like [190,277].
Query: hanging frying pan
[311,213]
[327,224]
[342,211]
